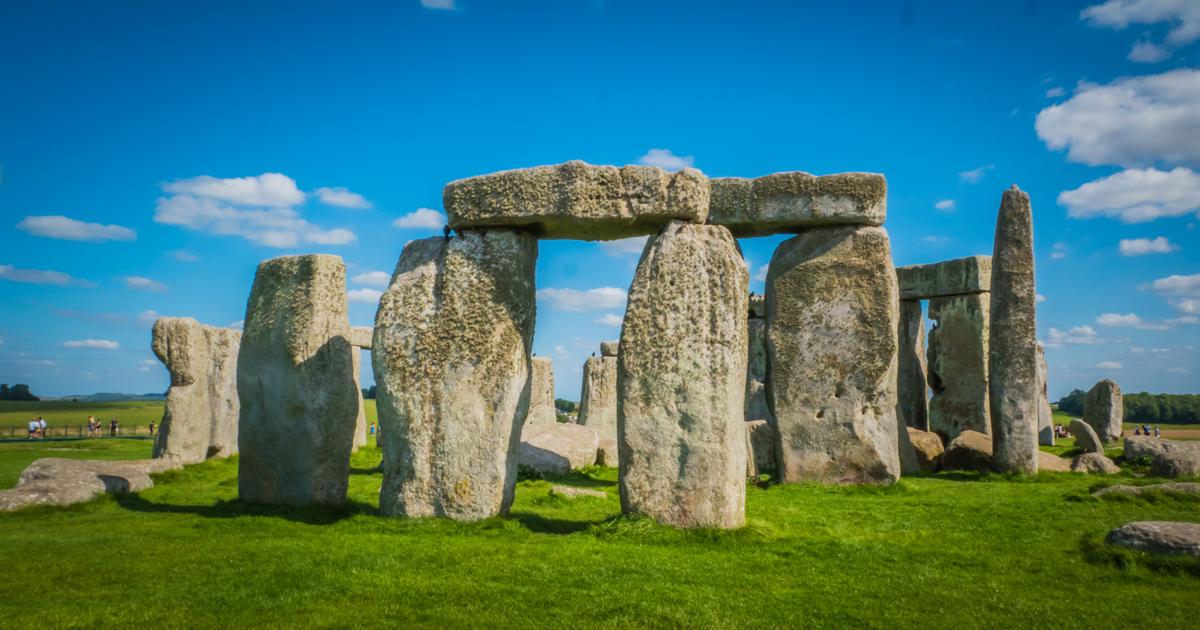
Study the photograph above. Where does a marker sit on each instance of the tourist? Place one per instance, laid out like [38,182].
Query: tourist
[1157,432]
[372,428]
[1145,429]
[1137,430]
[42,427]
[151,428]
[33,428]
[112,427]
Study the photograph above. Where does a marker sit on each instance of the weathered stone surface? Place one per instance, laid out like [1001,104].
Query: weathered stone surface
[1163,537]
[1045,411]
[608,452]
[1176,463]
[1085,438]
[792,201]
[574,493]
[928,448]
[59,481]
[578,200]
[200,417]
[912,391]
[958,365]
[360,420]
[971,450]
[972,274]
[1094,463]
[598,398]
[558,448]
[451,359]
[1012,341]
[1145,446]
[1052,463]
[832,314]
[758,306]
[360,336]
[681,380]
[1173,487]
[760,435]
[295,375]
[541,392]
[609,348]
[757,407]
[1104,409]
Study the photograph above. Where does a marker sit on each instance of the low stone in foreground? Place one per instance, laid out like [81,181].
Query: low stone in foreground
[1160,537]
[928,448]
[792,201]
[1094,463]
[972,450]
[61,481]
[558,448]
[1171,487]
[1085,438]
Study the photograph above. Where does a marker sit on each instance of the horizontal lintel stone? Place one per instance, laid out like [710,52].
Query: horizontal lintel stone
[792,201]
[972,274]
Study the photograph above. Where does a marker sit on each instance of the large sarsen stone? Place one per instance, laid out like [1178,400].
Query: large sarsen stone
[958,365]
[541,392]
[792,201]
[598,398]
[1104,409]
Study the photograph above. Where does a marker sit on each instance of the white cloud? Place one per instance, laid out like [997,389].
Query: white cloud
[1055,92]
[99,344]
[945,205]
[182,255]
[974,175]
[1136,195]
[368,296]
[373,278]
[68,229]
[138,283]
[1130,320]
[1079,335]
[47,363]
[1132,122]
[1040,298]
[1182,292]
[148,317]
[269,226]
[664,159]
[40,276]
[935,240]
[761,273]
[576,300]
[274,190]
[624,246]
[442,5]
[1148,52]
[1110,365]
[1183,16]
[342,198]
[1059,251]
[1142,246]
[421,218]
[609,319]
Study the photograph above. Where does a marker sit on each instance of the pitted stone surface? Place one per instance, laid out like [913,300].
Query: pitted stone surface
[1012,341]
[558,448]
[958,365]
[1173,487]
[1165,537]
[1104,409]
[60,481]
[360,336]
[609,348]
[579,200]
[681,380]
[299,401]
[1094,463]
[200,418]
[832,315]
[928,448]
[757,407]
[760,436]
[792,201]
[912,390]
[541,392]
[1176,462]
[972,274]
[1045,411]
[598,401]
[451,360]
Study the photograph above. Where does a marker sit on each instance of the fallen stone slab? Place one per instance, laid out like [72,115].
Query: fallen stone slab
[558,448]
[567,492]
[793,201]
[1159,537]
[959,276]
[1094,463]
[1104,410]
[1172,487]
[1176,463]
[1138,446]
[577,200]
[61,481]
[928,448]
[1085,437]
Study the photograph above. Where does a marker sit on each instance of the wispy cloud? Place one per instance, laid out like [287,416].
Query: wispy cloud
[975,175]
[589,300]
[1181,291]
[98,344]
[1182,15]
[41,276]
[609,319]
[1131,320]
[373,278]
[1136,195]
[68,229]
[664,159]
[1055,92]
[366,296]
[945,205]
[138,283]
[421,218]
[1080,335]
[342,198]
[1110,365]
[182,255]
[1143,246]
[1058,251]
[440,5]
[148,317]
[274,190]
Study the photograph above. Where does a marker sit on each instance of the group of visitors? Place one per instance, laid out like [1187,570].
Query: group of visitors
[1060,431]
[1145,430]
[37,428]
[95,427]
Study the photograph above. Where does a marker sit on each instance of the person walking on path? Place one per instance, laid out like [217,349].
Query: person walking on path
[112,427]
[42,427]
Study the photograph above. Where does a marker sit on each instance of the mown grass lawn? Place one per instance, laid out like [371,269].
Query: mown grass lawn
[953,550]
[15,456]
[133,415]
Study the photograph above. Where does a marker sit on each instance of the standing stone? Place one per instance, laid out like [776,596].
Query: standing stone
[958,365]
[541,392]
[832,315]
[757,407]
[1085,437]
[451,359]
[912,389]
[1104,409]
[296,384]
[681,380]
[223,346]
[1045,411]
[598,402]
[360,421]
[201,413]
[1012,348]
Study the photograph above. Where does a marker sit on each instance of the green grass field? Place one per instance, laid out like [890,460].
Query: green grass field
[134,416]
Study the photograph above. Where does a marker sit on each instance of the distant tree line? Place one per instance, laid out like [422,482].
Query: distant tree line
[1143,407]
[565,406]
[369,393]
[20,391]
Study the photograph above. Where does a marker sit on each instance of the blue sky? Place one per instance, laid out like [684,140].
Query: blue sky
[151,154]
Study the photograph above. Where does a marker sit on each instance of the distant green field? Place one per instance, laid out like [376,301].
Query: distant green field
[15,456]
[69,417]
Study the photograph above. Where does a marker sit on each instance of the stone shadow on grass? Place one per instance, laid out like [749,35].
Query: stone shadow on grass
[543,525]
[312,515]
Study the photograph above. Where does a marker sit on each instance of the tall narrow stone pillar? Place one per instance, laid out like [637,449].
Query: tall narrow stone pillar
[958,365]
[296,384]
[832,315]
[598,400]
[451,359]
[541,392]
[200,416]
[1045,411]
[1012,348]
[360,419]
[681,380]
[757,407]
[223,347]
[912,389]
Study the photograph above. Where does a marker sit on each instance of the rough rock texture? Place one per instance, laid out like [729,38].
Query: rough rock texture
[1053,463]
[1164,537]
[832,314]
[1094,463]
[299,402]
[360,420]
[1173,487]
[972,274]
[928,448]
[971,450]
[598,397]
[1012,341]
[541,392]
[789,202]
[1085,438]
[451,360]
[1045,411]
[558,448]
[1104,409]
[200,417]
[360,336]
[578,200]
[760,436]
[609,348]
[1176,463]
[757,407]
[681,380]
[608,454]
[574,493]
[58,481]
[958,365]
[912,390]
[1145,446]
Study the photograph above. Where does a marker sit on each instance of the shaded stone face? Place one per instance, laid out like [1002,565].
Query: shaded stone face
[912,389]
[1104,410]
[541,392]
[958,365]
[200,418]
[360,421]
[760,436]
[1085,438]
[295,374]
[832,315]
[609,348]
[578,200]
[1045,411]
[790,202]
[1012,345]
[972,274]
[598,397]
[757,407]
[681,380]
[451,361]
